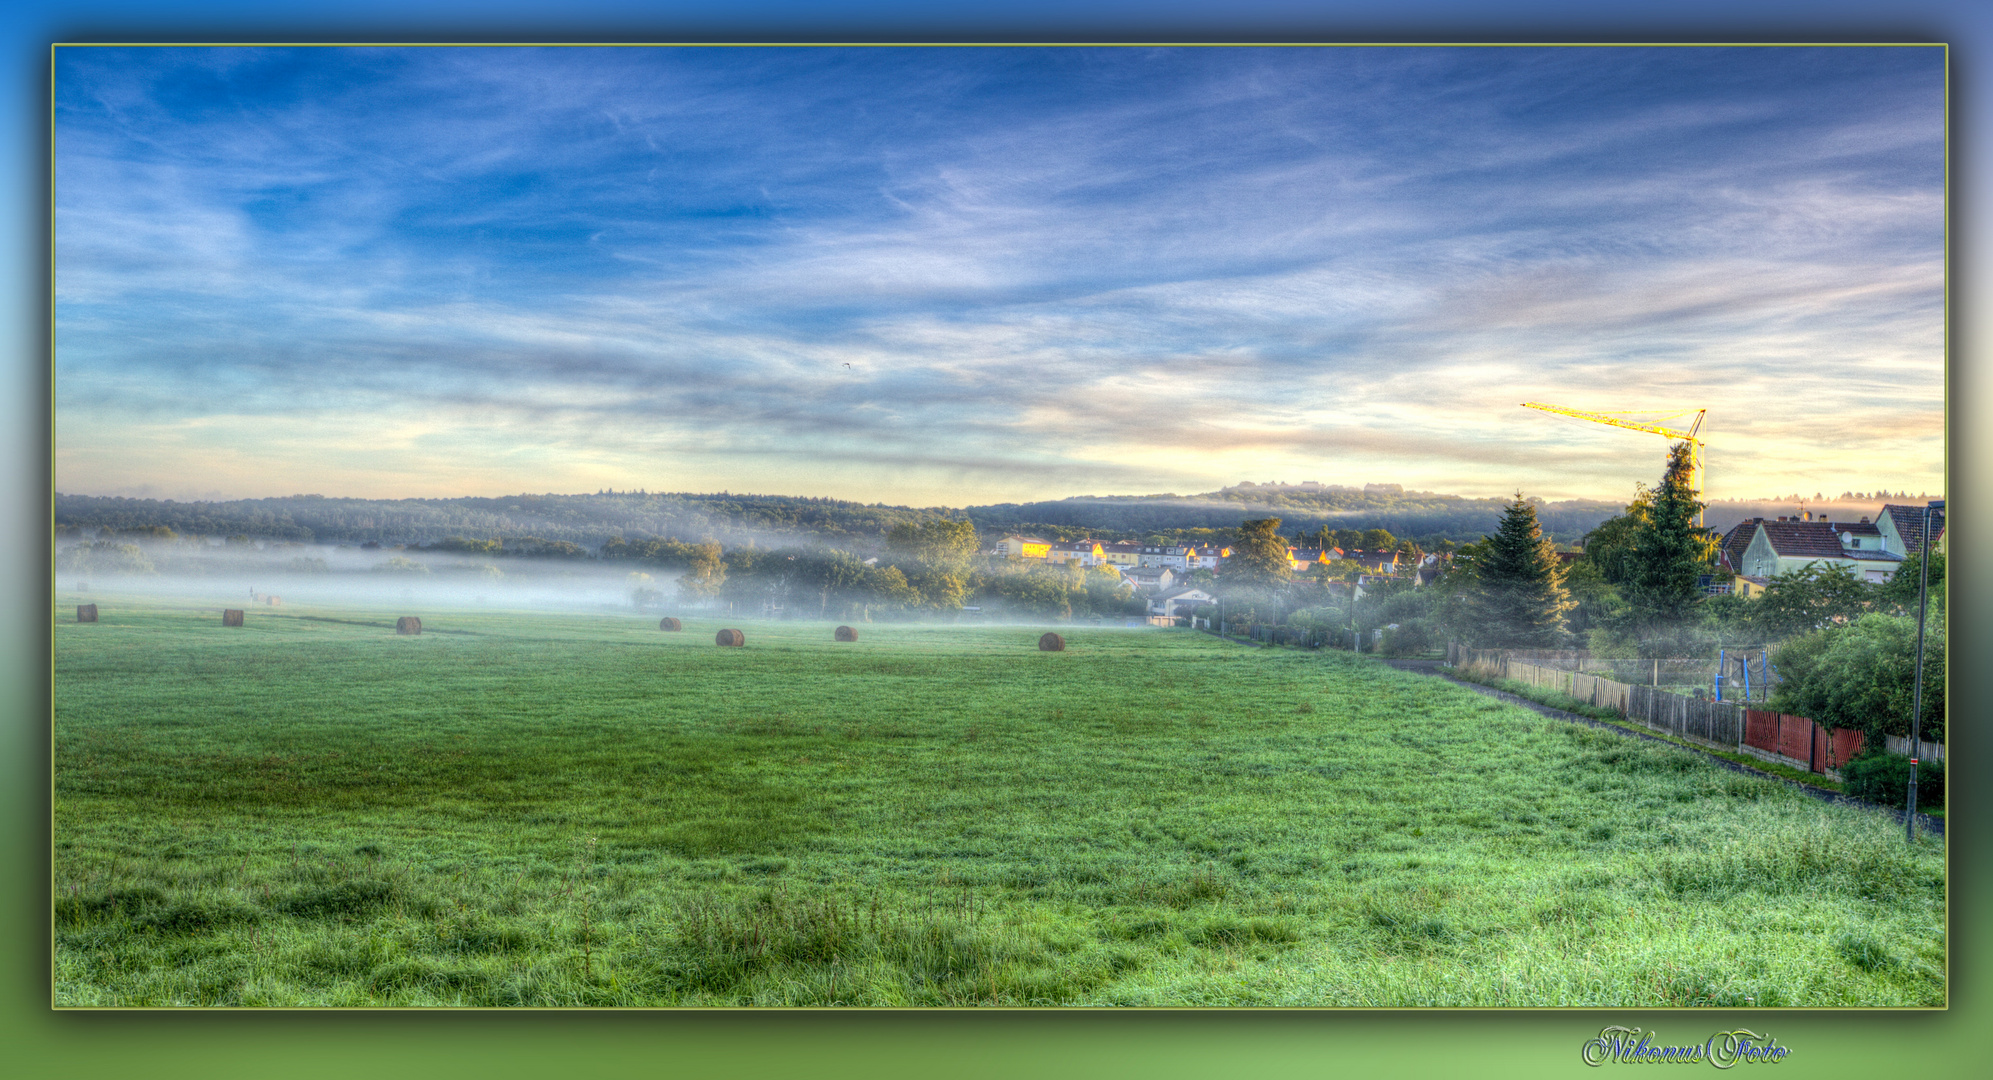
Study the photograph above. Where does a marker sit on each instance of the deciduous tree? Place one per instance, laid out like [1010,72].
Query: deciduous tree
[1900,591]
[1809,598]
[705,574]
[1259,559]
[1862,676]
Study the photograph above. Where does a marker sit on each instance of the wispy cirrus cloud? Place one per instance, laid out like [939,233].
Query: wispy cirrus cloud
[954,275]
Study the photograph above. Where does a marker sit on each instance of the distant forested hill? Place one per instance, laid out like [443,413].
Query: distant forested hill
[1421,515]
[590,520]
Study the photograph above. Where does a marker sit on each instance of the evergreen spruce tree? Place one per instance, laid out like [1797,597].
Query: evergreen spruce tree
[1668,553]
[1520,601]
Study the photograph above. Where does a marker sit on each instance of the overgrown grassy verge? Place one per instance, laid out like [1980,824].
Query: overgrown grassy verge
[568,810]
[1558,700]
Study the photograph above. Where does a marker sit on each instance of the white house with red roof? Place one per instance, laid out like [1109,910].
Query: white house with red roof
[1767,547]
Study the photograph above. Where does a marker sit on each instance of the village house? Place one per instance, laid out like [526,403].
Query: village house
[1176,603]
[1902,529]
[1206,558]
[1748,586]
[1176,558]
[1087,553]
[1121,554]
[1730,550]
[1024,547]
[1383,562]
[1767,547]
[1430,568]
[1149,578]
[1306,558]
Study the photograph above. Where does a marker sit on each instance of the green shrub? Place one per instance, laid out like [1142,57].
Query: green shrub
[1863,676]
[1410,639]
[1885,779]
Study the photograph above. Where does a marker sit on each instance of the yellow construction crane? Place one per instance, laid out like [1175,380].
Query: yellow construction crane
[1696,477]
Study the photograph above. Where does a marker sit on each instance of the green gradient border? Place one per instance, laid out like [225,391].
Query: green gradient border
[37,1042]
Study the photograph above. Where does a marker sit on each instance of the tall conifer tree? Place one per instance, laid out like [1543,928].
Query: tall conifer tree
[1521,599]
[1668,553]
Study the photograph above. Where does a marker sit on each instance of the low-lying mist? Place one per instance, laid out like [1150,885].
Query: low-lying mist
[247,575]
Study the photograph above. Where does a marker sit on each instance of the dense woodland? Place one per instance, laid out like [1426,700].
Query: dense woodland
[594,520]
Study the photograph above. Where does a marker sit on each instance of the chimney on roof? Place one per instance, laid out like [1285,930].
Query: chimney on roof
[1864,521]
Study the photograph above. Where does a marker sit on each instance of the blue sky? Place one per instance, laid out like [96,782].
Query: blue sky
[947,276]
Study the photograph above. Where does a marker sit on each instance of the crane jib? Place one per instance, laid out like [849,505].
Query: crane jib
[1697,475]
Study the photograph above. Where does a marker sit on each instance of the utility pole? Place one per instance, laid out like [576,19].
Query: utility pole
[1917,694]
[1355,635]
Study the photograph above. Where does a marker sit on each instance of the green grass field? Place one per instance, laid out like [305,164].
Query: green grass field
[562,810]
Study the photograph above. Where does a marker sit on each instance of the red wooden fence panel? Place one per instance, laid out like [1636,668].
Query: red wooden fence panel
[1795,737]
[1761,729]
[1843,746]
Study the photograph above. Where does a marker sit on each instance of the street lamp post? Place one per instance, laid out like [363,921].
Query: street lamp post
[1917,694]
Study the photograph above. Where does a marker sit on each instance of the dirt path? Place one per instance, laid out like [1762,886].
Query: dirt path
[1925,822]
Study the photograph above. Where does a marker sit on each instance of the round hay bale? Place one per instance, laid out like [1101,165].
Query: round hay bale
[231,616]
[1051,643]
[408,624]
[847,633]
[86,613]
[730,637]
[668,623]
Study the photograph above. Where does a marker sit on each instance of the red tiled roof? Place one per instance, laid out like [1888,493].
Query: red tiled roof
[1737,541]
[1802,539]
[1820,540]
[1909,522]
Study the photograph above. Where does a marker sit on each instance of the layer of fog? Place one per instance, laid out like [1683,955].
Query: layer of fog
[248,575]
[93,568]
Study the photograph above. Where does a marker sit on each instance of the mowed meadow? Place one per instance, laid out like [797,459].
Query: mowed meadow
[532,809]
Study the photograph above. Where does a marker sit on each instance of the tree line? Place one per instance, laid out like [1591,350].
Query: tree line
[925,569]
[593,520]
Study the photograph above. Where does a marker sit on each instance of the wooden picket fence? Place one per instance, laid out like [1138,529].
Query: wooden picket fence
[1721,725]
[1715,723]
